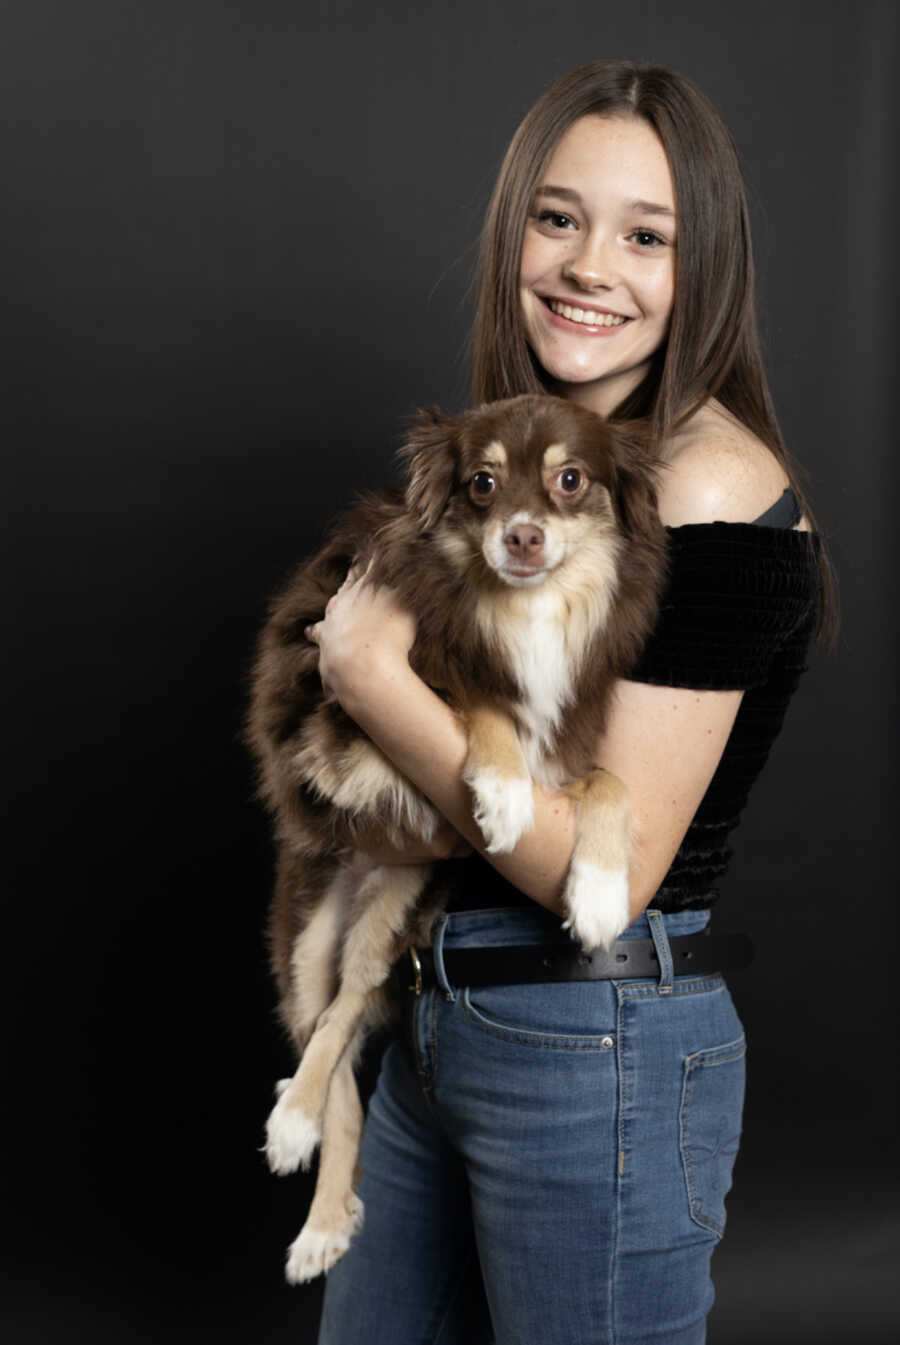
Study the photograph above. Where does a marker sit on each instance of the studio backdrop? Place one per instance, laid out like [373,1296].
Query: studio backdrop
[238,250]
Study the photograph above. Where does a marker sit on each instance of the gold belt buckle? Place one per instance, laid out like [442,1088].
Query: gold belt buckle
[417,970]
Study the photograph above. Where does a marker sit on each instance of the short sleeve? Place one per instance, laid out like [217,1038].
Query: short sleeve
[737,598]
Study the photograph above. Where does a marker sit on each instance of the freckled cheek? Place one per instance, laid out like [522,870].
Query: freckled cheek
[527,268]
[536,260]
[662,294]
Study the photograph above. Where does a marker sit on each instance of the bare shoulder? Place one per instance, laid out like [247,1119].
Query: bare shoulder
[717,470]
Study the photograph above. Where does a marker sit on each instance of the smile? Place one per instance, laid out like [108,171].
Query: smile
[586,316]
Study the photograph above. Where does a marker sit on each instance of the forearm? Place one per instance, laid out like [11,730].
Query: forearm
[664,743]
[427,743]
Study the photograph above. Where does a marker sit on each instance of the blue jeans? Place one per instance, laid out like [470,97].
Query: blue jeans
[567,1146]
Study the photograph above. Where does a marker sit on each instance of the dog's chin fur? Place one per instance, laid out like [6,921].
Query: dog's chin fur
[522,579]
[527,659]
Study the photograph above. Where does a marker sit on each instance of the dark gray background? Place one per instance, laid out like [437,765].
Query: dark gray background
[238,240]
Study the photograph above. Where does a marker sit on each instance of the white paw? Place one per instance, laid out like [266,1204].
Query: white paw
[316,1250]
[504,809]
[597,902]
[281,1086]
[291,1138]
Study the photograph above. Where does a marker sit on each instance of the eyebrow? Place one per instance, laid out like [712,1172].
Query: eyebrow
[651,208]
[641,207]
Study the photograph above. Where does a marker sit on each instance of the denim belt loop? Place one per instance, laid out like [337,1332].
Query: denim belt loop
[437,948]
[657,923]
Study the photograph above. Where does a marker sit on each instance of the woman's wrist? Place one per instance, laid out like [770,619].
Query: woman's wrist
[370,682]
[426,740]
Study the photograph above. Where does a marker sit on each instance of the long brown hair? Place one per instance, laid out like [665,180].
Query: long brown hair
[712,348]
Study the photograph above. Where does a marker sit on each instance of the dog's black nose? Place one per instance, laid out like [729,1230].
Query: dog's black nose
[524,541]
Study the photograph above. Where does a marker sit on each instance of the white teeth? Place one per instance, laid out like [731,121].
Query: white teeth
[586,316]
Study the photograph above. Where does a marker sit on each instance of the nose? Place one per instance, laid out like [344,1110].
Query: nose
[525,543]
[593,266]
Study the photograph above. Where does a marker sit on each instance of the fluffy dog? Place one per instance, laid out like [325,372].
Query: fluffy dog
[528,545]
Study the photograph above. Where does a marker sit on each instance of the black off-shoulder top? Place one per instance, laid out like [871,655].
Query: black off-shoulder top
[738,613]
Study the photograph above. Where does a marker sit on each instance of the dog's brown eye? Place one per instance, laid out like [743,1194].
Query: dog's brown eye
[483,484]
[569,480]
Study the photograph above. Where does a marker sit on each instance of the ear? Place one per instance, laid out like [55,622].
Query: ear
[634,484]
[429,457]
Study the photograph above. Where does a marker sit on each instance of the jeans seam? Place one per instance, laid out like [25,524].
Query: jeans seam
[460,1279]
[432,1036]
[698,986]
[620,1163]
[422,1051]
[699,1060]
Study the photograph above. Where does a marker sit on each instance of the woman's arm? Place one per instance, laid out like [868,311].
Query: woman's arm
[663,742]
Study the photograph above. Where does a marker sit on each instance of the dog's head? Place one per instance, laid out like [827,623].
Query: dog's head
[525,486]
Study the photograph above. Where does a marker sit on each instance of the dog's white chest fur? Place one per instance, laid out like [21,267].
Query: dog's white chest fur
[533,637]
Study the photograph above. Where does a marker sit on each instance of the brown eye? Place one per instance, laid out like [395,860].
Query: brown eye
[569,480]
[483,485]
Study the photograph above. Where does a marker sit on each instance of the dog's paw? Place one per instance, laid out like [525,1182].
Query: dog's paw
[597,902]
[504,809]
[316,1250]
[292,1137]
[281,1086]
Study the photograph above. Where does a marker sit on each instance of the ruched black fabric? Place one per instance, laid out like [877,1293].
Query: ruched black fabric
[737,613]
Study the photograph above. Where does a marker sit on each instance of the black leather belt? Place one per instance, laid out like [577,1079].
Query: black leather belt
[692,955]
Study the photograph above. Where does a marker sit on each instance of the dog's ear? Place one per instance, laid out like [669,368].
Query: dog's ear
[634,483]
[429,458]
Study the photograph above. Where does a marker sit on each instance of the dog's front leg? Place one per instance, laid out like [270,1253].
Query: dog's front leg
[596,894]
[497,774]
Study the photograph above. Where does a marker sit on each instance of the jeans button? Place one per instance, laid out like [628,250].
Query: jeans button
[607,1043]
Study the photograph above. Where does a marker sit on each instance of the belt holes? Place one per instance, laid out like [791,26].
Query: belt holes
[621,957]
[584,959]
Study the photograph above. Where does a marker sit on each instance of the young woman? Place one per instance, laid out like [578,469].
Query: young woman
[569,1143]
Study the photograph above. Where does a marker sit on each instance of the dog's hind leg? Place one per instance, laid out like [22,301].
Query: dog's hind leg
[336,1212]
[384,904]
[313,965]
[314,961]
[596,893]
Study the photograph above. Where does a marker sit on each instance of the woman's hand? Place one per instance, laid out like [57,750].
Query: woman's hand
[364,643]
[365,637]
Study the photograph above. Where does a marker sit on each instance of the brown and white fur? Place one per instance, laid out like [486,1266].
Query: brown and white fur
[528,546]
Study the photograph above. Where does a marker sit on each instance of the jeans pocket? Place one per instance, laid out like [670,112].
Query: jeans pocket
[561,1016]
[712,1100]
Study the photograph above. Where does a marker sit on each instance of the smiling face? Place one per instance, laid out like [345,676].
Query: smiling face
[597,275]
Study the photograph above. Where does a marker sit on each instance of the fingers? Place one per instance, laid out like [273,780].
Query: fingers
[354,577]
[358,572]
